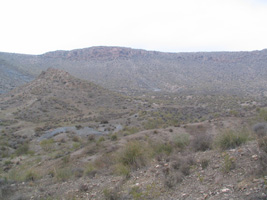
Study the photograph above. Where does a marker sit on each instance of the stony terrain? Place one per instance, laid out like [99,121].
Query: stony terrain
[182,174]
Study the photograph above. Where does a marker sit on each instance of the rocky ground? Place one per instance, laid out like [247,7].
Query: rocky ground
[238,173]
[210,182]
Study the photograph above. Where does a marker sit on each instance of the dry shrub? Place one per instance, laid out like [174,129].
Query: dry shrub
[204,163]
[263,163]
[77,172]
[263,144]
[112,194]
[180,166]
[202,142]
[260,129]
[104,161]
[182,140]
[172,179]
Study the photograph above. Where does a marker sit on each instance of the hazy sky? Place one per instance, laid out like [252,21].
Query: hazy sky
[38,26]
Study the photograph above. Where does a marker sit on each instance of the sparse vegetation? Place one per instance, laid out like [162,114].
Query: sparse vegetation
[98,144]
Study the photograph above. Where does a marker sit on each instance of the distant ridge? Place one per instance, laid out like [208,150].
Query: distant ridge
[134,71]
[99,52]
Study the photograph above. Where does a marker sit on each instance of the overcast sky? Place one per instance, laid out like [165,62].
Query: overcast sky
[38,26]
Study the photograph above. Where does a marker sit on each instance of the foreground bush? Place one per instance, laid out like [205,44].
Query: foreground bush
[134,155]
[229,139]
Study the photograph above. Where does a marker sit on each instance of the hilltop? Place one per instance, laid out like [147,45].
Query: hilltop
[133,71]
[55,95]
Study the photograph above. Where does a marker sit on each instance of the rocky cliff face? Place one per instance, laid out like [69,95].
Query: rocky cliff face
[102,53]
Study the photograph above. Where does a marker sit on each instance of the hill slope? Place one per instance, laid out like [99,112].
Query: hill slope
[56,95]
[130,70]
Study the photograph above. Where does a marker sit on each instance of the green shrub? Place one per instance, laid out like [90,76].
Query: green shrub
[8,162]
[181,140]
[135,154]
[47,144]
[263,114]
[20,175]
[228,164]
[63,174]
[66,159]
[232,138]
[136,193]
[76,145]
[101,139]
[121,169]
[263,144]
[90,170]
[160,148]
[15,175]
[112,194]
[130,130]
[30,176]
[153,123]
[204,163]
[113,137]
[22,149]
